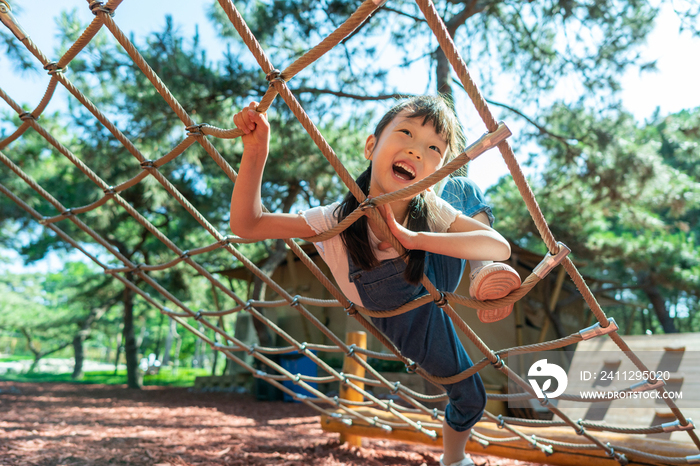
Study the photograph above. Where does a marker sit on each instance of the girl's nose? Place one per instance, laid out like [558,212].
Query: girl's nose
[415,153]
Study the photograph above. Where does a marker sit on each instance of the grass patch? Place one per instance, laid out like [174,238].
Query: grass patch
[16,358]
[184,377]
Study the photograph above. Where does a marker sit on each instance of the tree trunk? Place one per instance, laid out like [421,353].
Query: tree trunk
[35,363]
[133,379]
[654,294]
[442,74]
[172,334]
[119,350]
[78,355]
[82,335]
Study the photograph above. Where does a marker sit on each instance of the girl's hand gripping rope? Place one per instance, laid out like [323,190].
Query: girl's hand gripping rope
[405,236]
[256,130]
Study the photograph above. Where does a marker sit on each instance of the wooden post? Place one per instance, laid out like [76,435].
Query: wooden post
[352,367]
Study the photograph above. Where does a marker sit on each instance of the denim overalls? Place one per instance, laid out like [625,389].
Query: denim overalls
[426,334]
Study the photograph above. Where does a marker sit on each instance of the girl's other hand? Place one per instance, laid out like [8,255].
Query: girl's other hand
[405,236]
[255,127]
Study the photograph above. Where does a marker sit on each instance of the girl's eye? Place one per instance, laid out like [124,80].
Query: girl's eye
[405,131]
[436,149]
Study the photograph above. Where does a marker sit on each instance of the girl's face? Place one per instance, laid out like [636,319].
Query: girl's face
[406,152]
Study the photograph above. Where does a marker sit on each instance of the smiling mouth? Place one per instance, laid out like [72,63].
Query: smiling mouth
[403,171]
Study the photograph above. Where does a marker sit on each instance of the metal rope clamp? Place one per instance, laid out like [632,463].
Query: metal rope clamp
[148,164]
[550,261]
[368,203]
[26,116]
[442,302]
[676,425]
[195,130]
[97,7]
[596,330]
[52,68]
[350,310]
[198,315]
[499,362]
[646,385]
[9,20]
[273,74]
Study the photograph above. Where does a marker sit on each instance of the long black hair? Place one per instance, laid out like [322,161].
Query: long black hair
[437,110]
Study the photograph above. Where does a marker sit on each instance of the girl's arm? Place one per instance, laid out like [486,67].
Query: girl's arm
[466,239]
[247,217]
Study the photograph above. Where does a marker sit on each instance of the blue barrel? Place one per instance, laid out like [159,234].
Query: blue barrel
[297,363]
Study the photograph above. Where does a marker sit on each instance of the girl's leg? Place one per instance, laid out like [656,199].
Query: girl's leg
[453,444]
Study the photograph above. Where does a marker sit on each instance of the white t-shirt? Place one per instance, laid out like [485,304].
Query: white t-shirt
[333,251]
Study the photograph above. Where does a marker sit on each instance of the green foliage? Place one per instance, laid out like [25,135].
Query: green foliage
[49,309]
[625,198]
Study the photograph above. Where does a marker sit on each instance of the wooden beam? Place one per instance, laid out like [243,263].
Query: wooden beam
[521,449]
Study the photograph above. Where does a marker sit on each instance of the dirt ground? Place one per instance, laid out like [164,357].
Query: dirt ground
[65,424]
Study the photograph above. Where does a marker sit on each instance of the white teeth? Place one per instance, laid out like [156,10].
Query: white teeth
[406,167]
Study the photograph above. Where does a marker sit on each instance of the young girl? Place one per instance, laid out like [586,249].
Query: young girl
[413,140]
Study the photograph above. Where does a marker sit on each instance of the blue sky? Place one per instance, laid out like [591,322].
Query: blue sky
[672,88]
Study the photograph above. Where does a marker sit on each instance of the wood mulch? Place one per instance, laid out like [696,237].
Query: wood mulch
[70,424]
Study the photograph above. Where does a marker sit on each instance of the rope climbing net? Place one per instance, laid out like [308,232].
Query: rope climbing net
[339,408]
